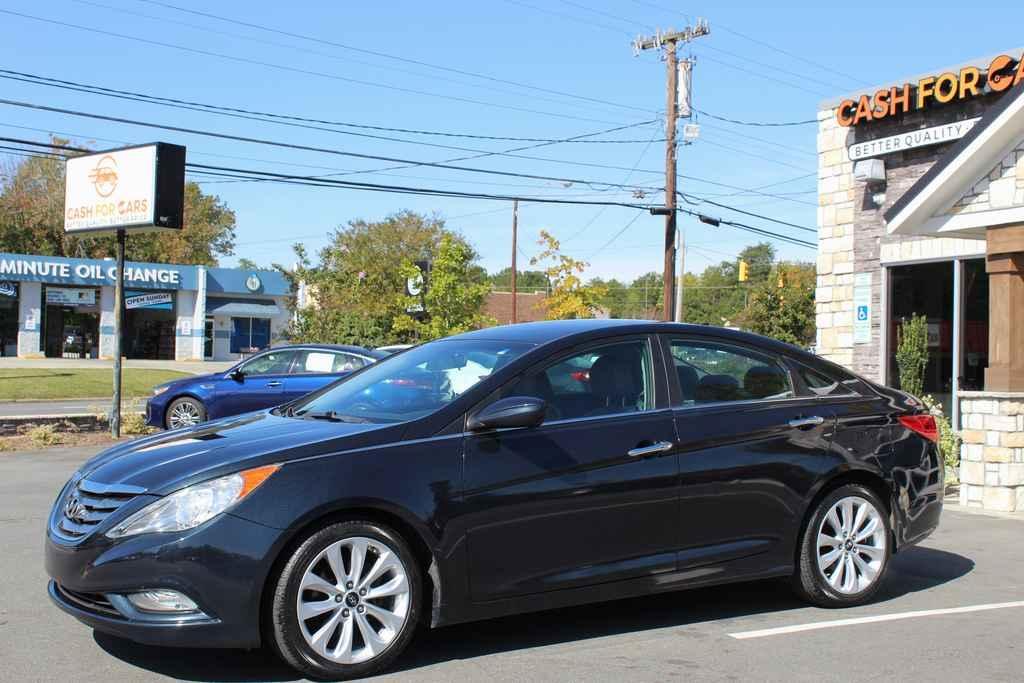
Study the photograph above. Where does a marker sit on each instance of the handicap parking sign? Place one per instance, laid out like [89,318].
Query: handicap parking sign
[862,313]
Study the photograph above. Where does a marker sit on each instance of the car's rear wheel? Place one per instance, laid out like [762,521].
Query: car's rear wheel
[347,601]
[184,412]
[845,548]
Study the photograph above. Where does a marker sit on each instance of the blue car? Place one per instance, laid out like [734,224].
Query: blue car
[265,380]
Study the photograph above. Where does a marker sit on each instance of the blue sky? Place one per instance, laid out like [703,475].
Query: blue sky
[764,62]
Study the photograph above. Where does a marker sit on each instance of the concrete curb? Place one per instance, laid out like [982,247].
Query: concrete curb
[83,421]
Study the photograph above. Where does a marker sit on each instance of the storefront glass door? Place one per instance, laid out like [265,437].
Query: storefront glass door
[8,319]
[974,344]
[71,320]
[925,289]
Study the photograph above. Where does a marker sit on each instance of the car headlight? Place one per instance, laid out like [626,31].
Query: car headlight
[159,390]
[193,505]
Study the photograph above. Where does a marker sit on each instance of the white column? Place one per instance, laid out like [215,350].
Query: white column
[30,320]
[106,322]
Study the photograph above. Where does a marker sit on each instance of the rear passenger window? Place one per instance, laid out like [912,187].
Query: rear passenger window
[820,385]
[713,373]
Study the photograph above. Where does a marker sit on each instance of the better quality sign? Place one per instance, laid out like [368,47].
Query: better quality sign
[136,187]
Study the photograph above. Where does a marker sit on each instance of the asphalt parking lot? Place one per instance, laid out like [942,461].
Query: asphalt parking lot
[952,609]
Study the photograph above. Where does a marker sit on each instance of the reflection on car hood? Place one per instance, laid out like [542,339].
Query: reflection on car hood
[167,460]
[192,379]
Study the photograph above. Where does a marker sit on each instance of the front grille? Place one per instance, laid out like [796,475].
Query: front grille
[86,504]
[93,602]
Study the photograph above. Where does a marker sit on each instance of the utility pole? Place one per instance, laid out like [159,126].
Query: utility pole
[670,42]
[115,409]
[515,230]
[682,274]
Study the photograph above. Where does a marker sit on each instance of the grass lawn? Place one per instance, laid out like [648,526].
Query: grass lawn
[45,383]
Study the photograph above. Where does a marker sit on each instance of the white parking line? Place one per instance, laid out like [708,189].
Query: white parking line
[798,628]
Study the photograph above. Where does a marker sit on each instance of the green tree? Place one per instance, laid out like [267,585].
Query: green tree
[782,305]
[526,280]
[362,274]
[912,354]
[569,296]
[32,221]
[453,303]
[248,264]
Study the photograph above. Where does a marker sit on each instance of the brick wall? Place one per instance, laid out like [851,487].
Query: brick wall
[530,306]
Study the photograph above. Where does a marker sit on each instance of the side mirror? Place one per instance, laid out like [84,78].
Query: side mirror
[507,413]
[236,375]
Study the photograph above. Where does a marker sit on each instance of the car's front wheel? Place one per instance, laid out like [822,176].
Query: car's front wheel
[845,549]
[347,601]
[185,412]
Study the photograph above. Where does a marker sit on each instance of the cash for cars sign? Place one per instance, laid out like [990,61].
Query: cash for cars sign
[134,188]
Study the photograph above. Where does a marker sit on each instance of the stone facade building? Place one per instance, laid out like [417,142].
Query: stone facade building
[921,212]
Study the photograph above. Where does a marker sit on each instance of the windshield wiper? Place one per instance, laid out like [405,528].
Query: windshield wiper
[329,415]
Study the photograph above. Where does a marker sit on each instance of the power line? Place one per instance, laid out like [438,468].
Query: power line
[398,189]
[776,68]
[757,41]
[292,69]
[307,148]
[616,235]
[564,15]
[385,55]
[757,74]
[756,215]
[348,60]
[760,124]
[203,106]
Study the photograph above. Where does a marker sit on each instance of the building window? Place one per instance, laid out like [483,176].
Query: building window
[974,343]
[249,335]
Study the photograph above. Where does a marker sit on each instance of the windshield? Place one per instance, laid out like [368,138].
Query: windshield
[411,384]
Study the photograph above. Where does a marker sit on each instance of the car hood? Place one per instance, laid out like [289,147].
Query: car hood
[192,379]
[169,460]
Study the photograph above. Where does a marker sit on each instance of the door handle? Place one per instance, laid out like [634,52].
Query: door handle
[812,421]
[275,383]
[642,451]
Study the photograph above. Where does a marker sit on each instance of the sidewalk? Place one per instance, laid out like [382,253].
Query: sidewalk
[195,367]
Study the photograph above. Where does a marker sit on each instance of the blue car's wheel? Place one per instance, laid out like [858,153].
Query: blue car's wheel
[184,412]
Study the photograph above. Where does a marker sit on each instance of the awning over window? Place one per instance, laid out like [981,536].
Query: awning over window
[242,309]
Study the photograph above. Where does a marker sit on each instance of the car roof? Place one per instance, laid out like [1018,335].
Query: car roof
[544,332]
[349,348]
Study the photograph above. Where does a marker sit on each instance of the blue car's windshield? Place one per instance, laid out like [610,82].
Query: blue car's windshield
[411,384]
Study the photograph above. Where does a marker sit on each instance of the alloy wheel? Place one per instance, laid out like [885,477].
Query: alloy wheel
[851,545]
[184,414]
[353,600]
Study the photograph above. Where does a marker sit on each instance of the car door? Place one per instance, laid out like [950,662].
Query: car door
[316,368]
[587,497]
[261,383]
[749,447]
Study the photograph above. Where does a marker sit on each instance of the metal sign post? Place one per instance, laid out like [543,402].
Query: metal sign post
[115,409]
[134,188]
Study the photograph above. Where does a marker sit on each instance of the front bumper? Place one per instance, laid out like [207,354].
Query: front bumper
[155,413]
[222,566]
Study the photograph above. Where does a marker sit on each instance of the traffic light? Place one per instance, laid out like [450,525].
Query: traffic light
[744,271]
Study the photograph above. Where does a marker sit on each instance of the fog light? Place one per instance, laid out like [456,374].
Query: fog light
[162,601]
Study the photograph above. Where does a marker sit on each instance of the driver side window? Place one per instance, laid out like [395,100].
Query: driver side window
[603,380]
[271,363]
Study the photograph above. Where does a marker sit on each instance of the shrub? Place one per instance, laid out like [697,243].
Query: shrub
[44,435]
[134,424]
[912,354]
[949,440]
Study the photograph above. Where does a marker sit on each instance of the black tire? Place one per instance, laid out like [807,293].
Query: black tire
[192,404]
[286,635]
[809,580]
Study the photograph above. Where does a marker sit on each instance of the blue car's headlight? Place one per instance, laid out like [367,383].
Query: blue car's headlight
[159,390]
[193,505]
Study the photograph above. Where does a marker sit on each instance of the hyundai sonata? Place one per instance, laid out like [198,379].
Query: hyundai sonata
[501,471]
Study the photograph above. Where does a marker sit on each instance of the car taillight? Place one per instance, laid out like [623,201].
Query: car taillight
[580,375]
[923,424]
